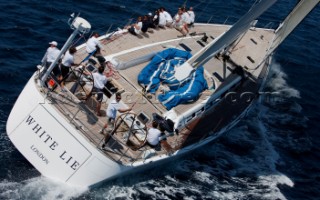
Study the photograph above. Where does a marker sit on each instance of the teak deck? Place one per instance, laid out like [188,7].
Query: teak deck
[125,48]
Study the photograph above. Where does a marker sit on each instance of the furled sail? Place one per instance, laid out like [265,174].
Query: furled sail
[242,25]
[293,19]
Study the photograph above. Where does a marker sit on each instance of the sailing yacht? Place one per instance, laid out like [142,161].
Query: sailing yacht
[196,87]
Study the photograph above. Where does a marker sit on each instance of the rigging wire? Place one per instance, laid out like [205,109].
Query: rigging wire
[185,3]
[130,19]
[74,42]
[202,10]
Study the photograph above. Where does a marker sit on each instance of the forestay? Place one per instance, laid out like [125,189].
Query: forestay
[293,19]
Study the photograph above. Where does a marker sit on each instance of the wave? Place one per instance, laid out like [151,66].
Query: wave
[277,83]
[38,188]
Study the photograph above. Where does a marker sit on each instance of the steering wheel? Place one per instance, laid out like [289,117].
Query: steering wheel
[79,83]
[132,131]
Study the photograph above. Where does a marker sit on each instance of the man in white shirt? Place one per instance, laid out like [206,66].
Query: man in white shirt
[66,63]
[99,81]
[167,16]
[153,137]
[179,22]
[191,16]
[94,45]
[185,16]
[135,29]
[162,19]
[51,55]
[113,107]
[156,137]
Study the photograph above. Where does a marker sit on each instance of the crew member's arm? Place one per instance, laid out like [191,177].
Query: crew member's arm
[122,110]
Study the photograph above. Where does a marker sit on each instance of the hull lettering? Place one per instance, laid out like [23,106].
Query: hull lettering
[51,143]
[39,154]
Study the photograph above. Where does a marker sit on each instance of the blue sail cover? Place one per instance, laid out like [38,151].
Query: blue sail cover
[161,70]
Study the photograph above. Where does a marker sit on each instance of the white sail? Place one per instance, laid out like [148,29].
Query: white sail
[293,19]
[242,25]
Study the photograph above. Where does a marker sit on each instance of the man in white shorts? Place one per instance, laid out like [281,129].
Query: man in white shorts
[113,108]
[66,63]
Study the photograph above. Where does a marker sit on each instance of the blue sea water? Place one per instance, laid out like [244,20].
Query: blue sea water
[273,153]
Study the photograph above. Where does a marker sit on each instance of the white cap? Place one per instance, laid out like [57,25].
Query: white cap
[54,43]
[150,14]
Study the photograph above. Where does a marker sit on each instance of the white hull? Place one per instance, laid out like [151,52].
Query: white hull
[55,149]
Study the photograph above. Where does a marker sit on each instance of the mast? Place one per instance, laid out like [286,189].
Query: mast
[301,10]
[79,25]
[224,40]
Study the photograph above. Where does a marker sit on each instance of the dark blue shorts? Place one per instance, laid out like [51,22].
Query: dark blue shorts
[99,93]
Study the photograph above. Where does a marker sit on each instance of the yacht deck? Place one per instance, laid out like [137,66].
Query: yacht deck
[129,50]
